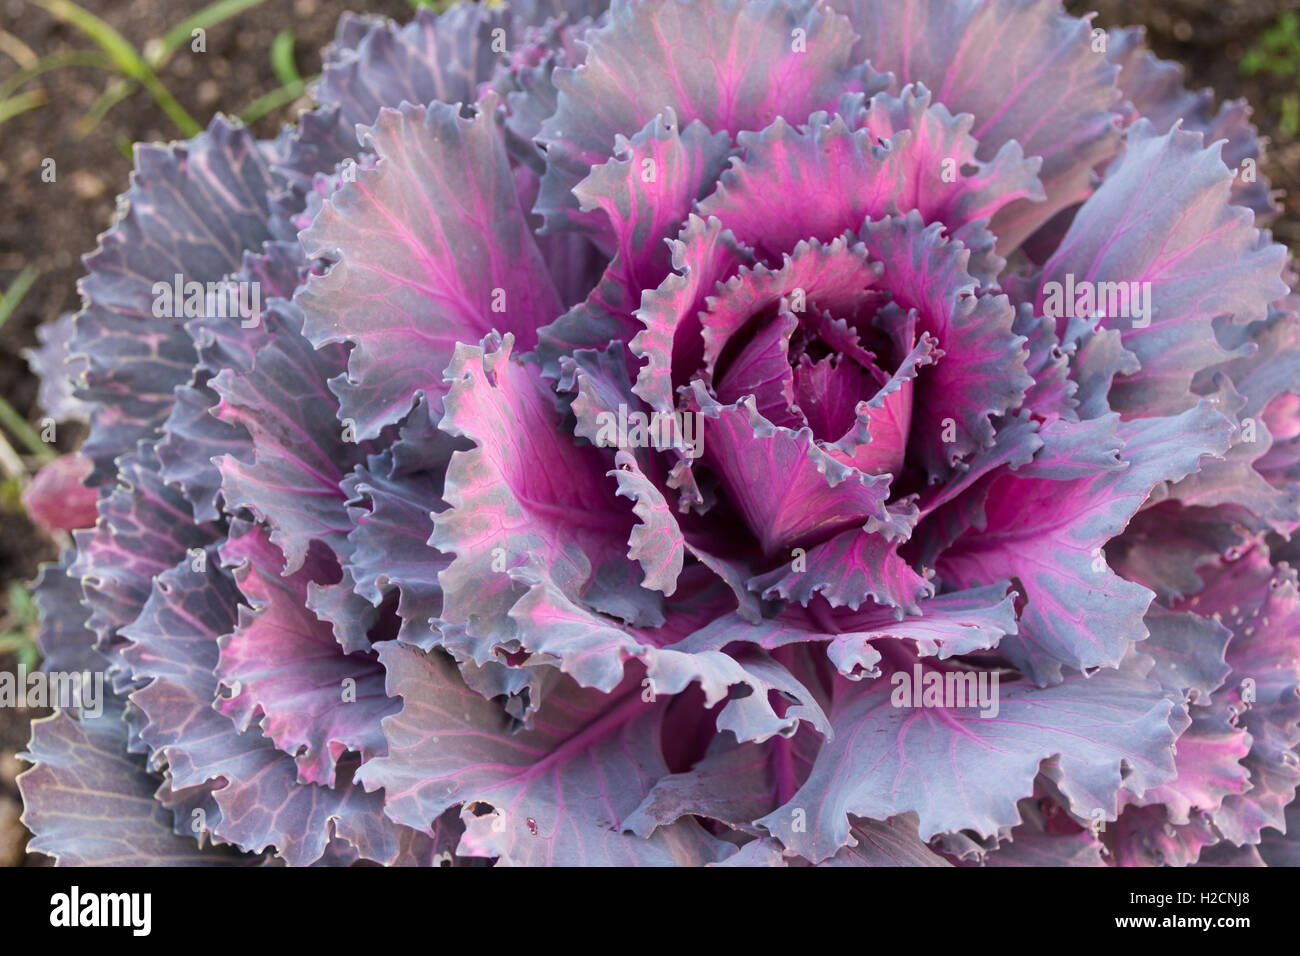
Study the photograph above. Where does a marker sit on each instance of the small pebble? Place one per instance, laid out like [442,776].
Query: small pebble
[87,185]
[10,768]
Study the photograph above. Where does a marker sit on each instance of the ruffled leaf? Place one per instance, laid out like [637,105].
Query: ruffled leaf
[1260,604]
[1025,70]
[52,363]
[949,625]
[145,527]
[434,58]
[1258,482]
[433,249]
[300,452]
[818,181]
[851,568]
[522,497]
[1208,761]
[877,441]
[1143,836]
[734,784]
[670,345]
[635,201]
[957,770]
[1045,525]
[833,276]
[1162,219]
[593,650]
[981,371]
[886,843]
[789,490]
[192,210]
[1154,90]
[255,798]
[192,435]
[390,537]
[283,664]
[730,64]
[90,803]
[553,795]
[1036,843]
[656,542]
[1188,651]
[65,641]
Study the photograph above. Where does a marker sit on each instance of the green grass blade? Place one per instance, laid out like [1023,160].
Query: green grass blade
[21,605]
[160,51]
[157,52]
[124,57]
[116,91]
[169,105]
[106,38]
[9,418]
[17,426]
[272,101]
[21,104]
[16,49]
[53,62]
[16,291]
[282,58]
[23,646]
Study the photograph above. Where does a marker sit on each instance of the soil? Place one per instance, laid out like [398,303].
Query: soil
[50,225]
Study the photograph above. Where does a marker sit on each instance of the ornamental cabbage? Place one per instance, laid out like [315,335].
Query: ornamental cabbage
[689,432]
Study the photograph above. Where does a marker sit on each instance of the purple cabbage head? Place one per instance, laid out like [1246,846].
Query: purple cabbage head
[689,432]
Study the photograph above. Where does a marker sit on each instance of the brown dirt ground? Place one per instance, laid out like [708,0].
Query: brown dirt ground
[52,225]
